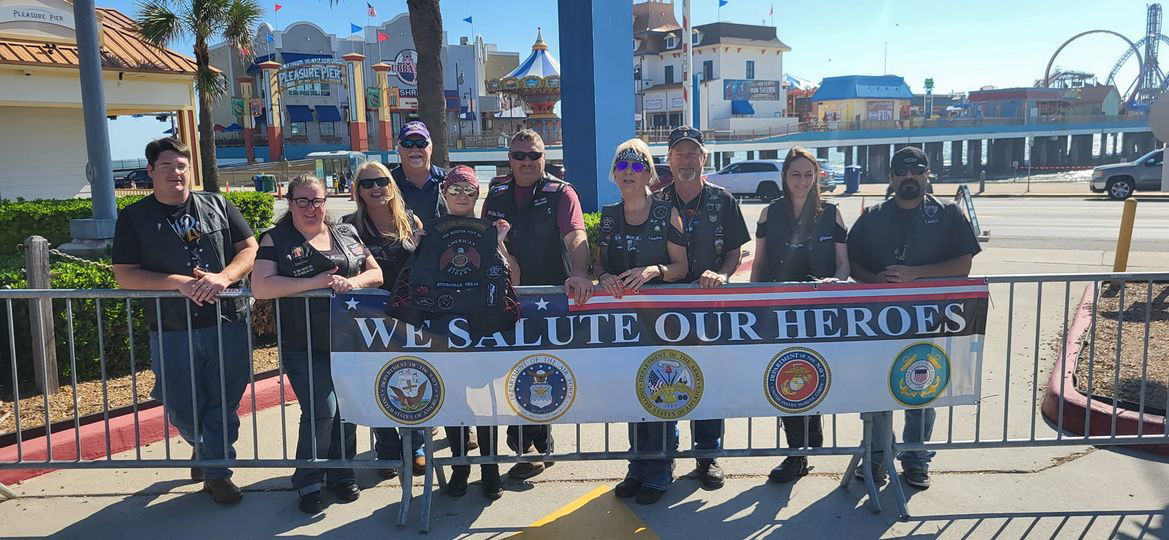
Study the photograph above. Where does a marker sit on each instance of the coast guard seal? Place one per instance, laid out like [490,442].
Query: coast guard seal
[669,384]
[540,388]
[797,380]
[920,373]
[409,390]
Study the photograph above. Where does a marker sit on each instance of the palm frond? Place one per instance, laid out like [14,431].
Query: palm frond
[158,23]
[241,18]
[210,83]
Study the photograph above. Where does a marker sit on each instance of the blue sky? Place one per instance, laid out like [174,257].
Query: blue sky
[961,45]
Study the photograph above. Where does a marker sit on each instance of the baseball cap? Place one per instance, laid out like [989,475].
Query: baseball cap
[685,133]
[908,158]
[459,174]
[414,128]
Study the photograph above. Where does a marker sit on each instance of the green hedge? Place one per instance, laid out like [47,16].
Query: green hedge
[592,221]
[50,217]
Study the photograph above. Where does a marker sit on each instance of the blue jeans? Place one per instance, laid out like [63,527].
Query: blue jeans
[652,437]
[707,435]
[388,443]
[321,431]
[919,427]
[185,362]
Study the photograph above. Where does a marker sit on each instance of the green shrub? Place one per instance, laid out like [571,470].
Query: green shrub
[592,221]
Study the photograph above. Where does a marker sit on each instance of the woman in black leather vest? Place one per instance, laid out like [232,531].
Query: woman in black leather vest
[800,238]
[301,253]
[387,228]
[640,242]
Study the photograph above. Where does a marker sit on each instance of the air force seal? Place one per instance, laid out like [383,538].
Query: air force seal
[409,390]
[540,388]
[669,384]
[797,380]
[920,374]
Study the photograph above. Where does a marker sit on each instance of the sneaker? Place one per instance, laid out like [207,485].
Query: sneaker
[523,471]
[223,490]
[346,493]
[878,473]
[711,475]
[917,477]
[648,495]
[627,488]
[792,468]
[310,503]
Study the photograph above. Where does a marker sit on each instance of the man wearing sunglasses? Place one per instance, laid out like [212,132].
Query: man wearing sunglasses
[548,239]
[909,237]
[417,178]
[715,232]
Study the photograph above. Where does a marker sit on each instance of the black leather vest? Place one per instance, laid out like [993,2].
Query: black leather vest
[457,270]
[705,232]
[390,253]
[622,250]
[535,239]
[820,244]
[925,244]
[296,257]
[163,251]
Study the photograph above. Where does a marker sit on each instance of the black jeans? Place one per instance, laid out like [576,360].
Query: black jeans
[539,436]
[794,427]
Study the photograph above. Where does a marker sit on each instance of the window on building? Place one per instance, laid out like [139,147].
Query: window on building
[298,129]
[669,74]
[750,69]
[637,73]
[708,70]
[328,129]
[310,89]
[696,38]
[671,41]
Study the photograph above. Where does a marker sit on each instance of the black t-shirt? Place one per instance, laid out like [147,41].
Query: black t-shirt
[959,240]
[624,246]
[736,232]
[797,262]
[184,221]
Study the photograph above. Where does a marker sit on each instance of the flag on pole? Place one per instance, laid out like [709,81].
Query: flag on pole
[269,38]
[369,10]
[381,36]
[353,28]
[468,20]
[278,6]
[722,3]
[772,12]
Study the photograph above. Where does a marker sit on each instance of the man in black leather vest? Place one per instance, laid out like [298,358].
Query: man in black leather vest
[909,237]
[417,178]
[715,231]
[548,239]
[197,244]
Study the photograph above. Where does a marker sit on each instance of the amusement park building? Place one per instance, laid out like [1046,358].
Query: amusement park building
[739,66]
[862,98]
[315,116]
[1017,102]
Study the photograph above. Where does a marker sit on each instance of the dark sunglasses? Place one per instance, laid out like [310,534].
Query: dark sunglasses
[460,189]
[520,156]
[305,202]
[637,166]
[369,183]
[414,143]
[914,170]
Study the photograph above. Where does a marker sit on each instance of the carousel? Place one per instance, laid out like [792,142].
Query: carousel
[537,82]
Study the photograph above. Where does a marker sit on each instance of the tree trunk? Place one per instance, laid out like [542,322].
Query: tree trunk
[210,167]
[426,26]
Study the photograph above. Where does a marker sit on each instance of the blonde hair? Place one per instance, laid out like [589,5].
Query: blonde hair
[296,182]
[637,145]
[403,225]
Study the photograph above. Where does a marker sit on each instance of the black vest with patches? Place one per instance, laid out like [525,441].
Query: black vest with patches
[457,270]
[705,231]
[391,254]
[163,251]
[297,258]
[820,244]
[925,244]
[534,239]
[623,249]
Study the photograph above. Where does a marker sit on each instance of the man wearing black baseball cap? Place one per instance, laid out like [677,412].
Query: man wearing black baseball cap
[909,237]
[715,232]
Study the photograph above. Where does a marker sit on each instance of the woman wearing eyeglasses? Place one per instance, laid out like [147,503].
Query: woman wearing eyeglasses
[304,252]
[800,238]
[641,242]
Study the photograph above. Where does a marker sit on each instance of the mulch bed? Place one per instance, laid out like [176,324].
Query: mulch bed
[1127,386]
[120,392]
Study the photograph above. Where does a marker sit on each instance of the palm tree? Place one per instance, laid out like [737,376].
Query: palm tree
[426,26]
[163,21]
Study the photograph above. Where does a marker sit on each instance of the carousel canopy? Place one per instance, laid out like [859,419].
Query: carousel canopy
[540,63]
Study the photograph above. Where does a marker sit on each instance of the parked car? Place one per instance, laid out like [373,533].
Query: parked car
[136,178]
[665,177]
[1120,180]
[758,178]
[830,175]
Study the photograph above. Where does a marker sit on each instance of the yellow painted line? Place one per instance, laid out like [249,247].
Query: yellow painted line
[598,514]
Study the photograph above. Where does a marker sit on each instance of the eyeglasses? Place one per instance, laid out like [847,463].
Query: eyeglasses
[637,166]
[462,189]
[914,170]
[520,156]
[305,202]
[414,143]
[369,183]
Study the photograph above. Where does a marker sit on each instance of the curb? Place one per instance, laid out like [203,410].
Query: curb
[1079,409]
[124,434]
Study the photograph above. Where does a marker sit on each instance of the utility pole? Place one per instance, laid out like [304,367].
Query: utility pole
[687,60]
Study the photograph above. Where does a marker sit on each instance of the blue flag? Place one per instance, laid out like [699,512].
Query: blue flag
[353,28]
[722,3]
[269,38]
[468,19]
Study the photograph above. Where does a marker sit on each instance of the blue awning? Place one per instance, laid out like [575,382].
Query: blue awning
[328,113]
[739,106]
[299,113]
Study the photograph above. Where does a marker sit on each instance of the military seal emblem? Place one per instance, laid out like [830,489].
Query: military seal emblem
[540,388]
[920,373]
[796,380]
[669,384]
[409,390]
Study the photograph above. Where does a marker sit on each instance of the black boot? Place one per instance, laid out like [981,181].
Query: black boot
[457,486]
[492,487]
[793,467]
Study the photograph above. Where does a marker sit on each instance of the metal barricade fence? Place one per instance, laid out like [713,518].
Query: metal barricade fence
[1007,415]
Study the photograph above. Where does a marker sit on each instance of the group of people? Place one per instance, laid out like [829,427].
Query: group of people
[691,231]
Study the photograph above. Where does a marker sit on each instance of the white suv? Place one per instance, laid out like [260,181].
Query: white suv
[759,178]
